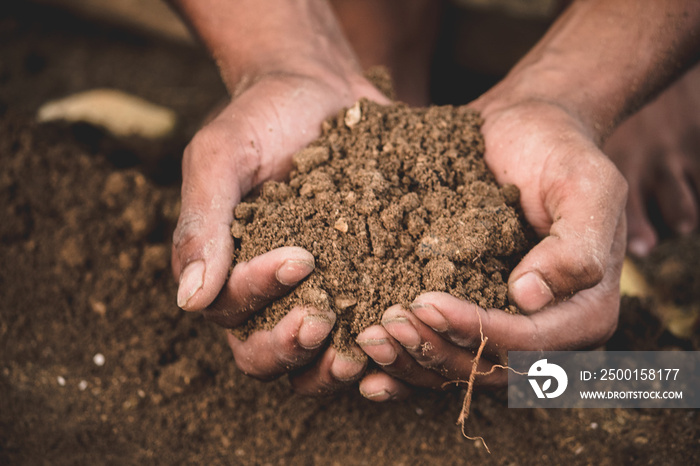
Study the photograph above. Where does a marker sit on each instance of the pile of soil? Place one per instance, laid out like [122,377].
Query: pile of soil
[392,202]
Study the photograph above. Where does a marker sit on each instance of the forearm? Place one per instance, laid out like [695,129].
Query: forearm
[602,59]
[251,38]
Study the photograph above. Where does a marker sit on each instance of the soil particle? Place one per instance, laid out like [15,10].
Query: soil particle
[392,202]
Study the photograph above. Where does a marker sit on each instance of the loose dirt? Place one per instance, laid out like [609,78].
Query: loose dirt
[392,202]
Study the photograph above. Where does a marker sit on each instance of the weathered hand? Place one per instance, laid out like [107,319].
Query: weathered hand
[658,152]
[566,286]
[251,141]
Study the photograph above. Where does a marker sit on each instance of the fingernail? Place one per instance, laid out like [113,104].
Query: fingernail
[347,367]
[403,330]
[532,291]
[430,316]
[382,395]
[380,350]
[191,281]
[293,270]
[315,329]
[638,247]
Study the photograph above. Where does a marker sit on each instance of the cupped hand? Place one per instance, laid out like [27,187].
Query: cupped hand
[251,141]
[567,286]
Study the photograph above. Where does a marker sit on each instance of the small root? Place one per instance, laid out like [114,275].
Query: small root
[467,402]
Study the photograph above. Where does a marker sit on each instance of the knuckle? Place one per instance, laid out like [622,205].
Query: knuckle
[583,268]
[592,269]
[188,227]
[430,359]
[207,142]
[220,141]
[288,355]
[263,288]
[252,368]
[250,360]
[289,358]
[401,371]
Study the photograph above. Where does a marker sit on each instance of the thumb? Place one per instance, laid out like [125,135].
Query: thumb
[587,210]
[202,243]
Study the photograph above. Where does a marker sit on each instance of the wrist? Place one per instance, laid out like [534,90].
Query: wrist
[252,39]
[602,60]
[238,76]
[530,92]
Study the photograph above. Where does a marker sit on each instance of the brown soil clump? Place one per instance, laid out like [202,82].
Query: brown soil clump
[392,202]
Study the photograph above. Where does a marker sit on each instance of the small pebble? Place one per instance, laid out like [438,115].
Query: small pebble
[353,115]
[82,385]
[99,359]
[341,225]
[594,425]
[61,381]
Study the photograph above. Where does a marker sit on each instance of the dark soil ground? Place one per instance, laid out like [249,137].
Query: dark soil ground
[85,230]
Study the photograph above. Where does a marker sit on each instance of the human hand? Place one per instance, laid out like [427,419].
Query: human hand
[567,286]
[658,152]
[251,141]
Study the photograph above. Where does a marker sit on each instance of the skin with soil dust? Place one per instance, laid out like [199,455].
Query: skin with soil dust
[392,202]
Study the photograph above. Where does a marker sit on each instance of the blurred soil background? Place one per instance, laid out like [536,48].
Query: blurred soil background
[99,366]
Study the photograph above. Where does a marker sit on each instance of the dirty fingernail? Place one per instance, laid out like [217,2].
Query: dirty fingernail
[293,270]
[403,330]
[347,367]
[380,350]
[532,292]
[315,329]
[382,395]
[430,316]
[191,281]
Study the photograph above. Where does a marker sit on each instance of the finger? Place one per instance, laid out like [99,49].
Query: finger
[585,208]
[387,349]
[584,321]
[464,323]
[292,343]
[676,197]
[641,234]
[393,359]
[427,348]
[380,386]
[202,243]
[255,283]
[334,371]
